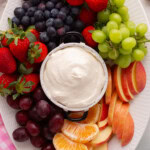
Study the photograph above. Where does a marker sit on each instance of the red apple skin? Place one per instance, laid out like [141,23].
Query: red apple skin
[108,93]
[130,74]
[128,130]
[118,84]
[140,75]
[125,86]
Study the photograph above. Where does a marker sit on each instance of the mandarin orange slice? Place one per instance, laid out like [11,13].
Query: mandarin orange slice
[61,142]
[82,133]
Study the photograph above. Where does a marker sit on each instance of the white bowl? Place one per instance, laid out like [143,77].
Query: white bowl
[140,106]
[88,49]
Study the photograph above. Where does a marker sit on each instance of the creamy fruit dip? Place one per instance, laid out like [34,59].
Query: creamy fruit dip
[74,77]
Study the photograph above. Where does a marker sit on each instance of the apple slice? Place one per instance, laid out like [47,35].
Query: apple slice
[108,93]
[102,147]
[104,111]
[116,115]
[122,118]
[125,86]
[103,124]
[102,137]
[118,85]
[130,74]
[112,107]
[140,75]
[128,130]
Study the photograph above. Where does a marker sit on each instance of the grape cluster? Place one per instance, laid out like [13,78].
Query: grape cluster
[52,18]
[119,38]
[39,119]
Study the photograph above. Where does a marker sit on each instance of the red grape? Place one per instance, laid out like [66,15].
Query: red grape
[39,94]
[38,141]
[13,103]
[33,128]
[47,134]
[33,114]
[22,117]
[43,109]
[25,102]
[20,134]
[56,123]
[48,147]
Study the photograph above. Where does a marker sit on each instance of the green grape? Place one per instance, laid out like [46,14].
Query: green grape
[119,3]
[124,51]
[115,17]
[115,36]
[132,27]
[141,29]
[104,47]
[103,55]
[124,61]
[138,55]
[113,54]
[125,18]
[111,25]
[144,50]
[103,16]
[98,36]
[122,25]
[141,45]
[128,43]
[123,11]
[125,32]
[104,29]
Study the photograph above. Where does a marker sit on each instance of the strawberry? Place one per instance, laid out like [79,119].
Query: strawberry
[7,61]
[90,20]
[75,2]
[20,49]
[25,84]
[4,41]
[88,36]
[37,52]
[97,5]
[5,81]
[34,32]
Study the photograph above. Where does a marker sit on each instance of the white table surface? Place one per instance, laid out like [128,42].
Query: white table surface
[145,142]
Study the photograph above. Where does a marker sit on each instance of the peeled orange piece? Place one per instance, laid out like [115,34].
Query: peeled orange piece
[93,114]
[82,133]
[63,143]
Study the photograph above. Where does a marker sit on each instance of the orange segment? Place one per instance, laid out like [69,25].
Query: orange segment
[93,114]
[63,143]
[78,132]
[89,146]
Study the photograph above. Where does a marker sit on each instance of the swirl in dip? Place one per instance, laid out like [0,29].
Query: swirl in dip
[74,77]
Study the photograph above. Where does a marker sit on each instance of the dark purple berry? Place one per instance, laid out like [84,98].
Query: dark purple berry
[61,15]
[79,26]
[47,134]
[58,23]
[61,31]
[41,6]
[49,22]
[44,37]
[40,26]
[31,11]
[20,135]
[33,128]
[48,147]
[26,5]
[25,102]
[55,1]
[22,117]
[51,46]
[67,28]
[59,5]
[50,5]
[69,20]
[19,12]
[32,21]
[35,2]
[16,21]
[38,141]
[75,11]
[25,21]
[51,32]
[47,14]
[54,13]
[65,10]
[13,103]
[39,15]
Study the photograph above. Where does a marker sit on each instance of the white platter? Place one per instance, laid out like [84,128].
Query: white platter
[140,106]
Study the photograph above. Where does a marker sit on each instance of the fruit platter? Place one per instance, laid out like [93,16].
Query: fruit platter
[74,74]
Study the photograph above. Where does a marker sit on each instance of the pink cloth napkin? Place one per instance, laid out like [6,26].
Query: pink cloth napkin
[5,141]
